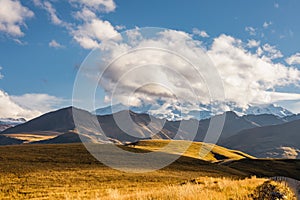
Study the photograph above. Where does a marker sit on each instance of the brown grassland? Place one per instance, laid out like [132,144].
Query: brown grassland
[68,171]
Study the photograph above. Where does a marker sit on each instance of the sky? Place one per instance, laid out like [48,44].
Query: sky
[44,42]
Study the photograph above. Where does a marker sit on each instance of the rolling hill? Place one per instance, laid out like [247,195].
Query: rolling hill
[199,150]
[274,141]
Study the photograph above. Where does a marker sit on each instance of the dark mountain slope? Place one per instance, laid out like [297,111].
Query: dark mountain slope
[9,141]
[281,140]
[264,119]
[70,137]
[57,121]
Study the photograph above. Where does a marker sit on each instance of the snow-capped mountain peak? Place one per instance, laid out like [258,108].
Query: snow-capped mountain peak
[269,109]
[201,111]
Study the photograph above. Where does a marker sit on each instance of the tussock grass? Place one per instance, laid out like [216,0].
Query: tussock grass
[70,172]
[207,188]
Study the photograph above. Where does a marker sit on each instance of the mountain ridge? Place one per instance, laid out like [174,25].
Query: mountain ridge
[202,112]
[61,127]
[268,141]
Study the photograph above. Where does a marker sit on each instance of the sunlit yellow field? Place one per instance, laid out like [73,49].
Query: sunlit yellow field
[70,172]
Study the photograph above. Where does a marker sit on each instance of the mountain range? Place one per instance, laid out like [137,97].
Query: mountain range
[264,135]
[202,111]
[276,141]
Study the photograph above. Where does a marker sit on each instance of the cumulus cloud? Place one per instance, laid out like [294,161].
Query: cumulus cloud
[54,18]
[40,102]
[89,29]
[12,17]
[27,106]
[200,33]
[294,59]
[55,44]
[1,75]
[99,5]
[253,43]
[248,78]
[120,27]
[8,108]
[271,52]
[47,6]
[93,30]
[267,24]
[250,30]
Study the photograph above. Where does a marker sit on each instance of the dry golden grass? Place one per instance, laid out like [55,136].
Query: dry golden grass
[70,172]
[30,137]
[65,171]
[199,150]
[207,188]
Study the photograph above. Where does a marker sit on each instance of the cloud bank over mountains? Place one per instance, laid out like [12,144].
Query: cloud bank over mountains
[252,72]
[27,106]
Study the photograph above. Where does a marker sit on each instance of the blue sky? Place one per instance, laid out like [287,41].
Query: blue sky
[43,58]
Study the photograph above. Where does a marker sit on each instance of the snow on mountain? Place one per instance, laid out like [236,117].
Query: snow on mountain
[6,123]
[178,112]
[269,109]
[12,121]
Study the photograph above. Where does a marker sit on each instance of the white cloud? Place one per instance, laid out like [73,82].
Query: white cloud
[91,33]
[54,18]
[39,102]
[99,5]
[120,27]
[8,108]
[19,42]
[276,5]
[12,17]
[247,77]
[267,24]
[271,52]
[89,30]
[200,33]
[55,44]
[85,14]
[27,106]
[93,30]
[294,59]
[253,43]
[250,30]
[1,75]
[293,106]
[46,5]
